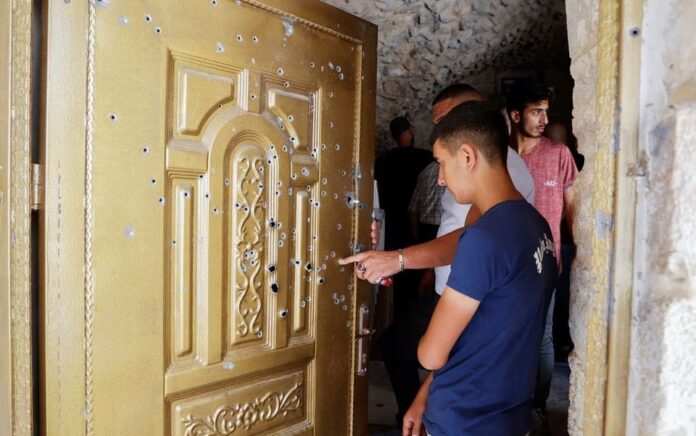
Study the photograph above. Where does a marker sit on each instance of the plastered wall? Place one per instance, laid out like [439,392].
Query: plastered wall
[662,367]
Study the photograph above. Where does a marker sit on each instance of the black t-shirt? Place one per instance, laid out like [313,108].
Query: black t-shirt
[396,173]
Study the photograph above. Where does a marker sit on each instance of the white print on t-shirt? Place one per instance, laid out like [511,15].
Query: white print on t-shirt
[550,183]
[545,246]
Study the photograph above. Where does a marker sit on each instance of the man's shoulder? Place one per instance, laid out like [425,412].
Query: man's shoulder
[548,146]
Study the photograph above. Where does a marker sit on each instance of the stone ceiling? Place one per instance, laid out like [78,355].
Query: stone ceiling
[425,45]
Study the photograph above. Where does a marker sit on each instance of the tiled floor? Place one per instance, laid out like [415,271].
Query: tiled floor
[382,406]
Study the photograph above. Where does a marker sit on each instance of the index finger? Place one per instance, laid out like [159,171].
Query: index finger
[351,259]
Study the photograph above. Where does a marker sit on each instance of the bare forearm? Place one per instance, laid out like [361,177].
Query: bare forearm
[438,252]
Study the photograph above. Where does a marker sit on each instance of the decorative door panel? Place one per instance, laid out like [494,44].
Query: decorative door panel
[224,178]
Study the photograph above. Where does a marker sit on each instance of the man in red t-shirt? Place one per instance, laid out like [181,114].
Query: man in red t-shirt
[553,170]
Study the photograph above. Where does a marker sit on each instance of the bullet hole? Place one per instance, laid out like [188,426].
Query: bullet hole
[227,182]
[148,18]
[337,147]
[255,39]
[160,201]
[200,176]
[216,210]
[339,226]
[335,301]
[207,195]
[279,225]
[320,280]
[331,94]
[252,96]
[113,117]
[158,30]
[333,254]
[271,268]
[338,68]
[342,269]
[331,65]
[323,146]
[289,28]
[343,298]
[219,47]
[285,148]
[290,117]
[213,2]
[348,324]
[283,313]
[240,38]
[302,304]
[334,296]
[246,209]
[293,139]
[344,173]
[324,181]
[173,241]
[335,196]
[345,307]
[634,31]
[294,232]
[309,266]
[341,76]
[287,85]
[323,193]
[305,171]
[280,244]
[312,64]
[296,262]
[280,71]
[274,288]
[259,334]
[293,176]
[331,124]
[123,21]
[308,299]
[186,194]
[272,223]
[129,232]
[237,205]
[153,181]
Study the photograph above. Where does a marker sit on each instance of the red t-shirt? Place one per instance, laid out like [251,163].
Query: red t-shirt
[553,170]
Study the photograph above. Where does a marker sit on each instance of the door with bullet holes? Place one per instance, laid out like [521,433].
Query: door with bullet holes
[227,154]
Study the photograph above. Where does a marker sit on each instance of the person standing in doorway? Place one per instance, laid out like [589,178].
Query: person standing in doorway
[396,173]
[554,172]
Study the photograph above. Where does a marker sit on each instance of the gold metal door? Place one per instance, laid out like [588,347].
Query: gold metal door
[223,159]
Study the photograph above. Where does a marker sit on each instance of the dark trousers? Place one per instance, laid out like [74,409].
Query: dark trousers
[398,343]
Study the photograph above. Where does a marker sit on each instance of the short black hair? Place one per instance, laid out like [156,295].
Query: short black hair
[526,92]
[477,123]
[453,91]
[398,126]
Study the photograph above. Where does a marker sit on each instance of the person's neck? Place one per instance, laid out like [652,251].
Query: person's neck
[524,144]
[500,190]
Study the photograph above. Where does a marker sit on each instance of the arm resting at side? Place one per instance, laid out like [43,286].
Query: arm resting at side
[452,314]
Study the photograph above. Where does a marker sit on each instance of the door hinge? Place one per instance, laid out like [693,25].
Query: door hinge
[37,187]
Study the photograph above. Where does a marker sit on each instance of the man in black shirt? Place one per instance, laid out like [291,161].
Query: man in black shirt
[396,173]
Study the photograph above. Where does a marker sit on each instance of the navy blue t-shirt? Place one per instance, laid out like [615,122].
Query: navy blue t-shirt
[505,261]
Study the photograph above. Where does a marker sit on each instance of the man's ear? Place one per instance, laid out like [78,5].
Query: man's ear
[467,153]
[515,116]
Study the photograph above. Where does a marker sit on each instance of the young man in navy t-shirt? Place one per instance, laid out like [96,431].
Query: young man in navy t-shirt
[483,339]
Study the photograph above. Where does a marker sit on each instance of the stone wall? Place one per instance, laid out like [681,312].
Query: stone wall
[583,16]
[425,45]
